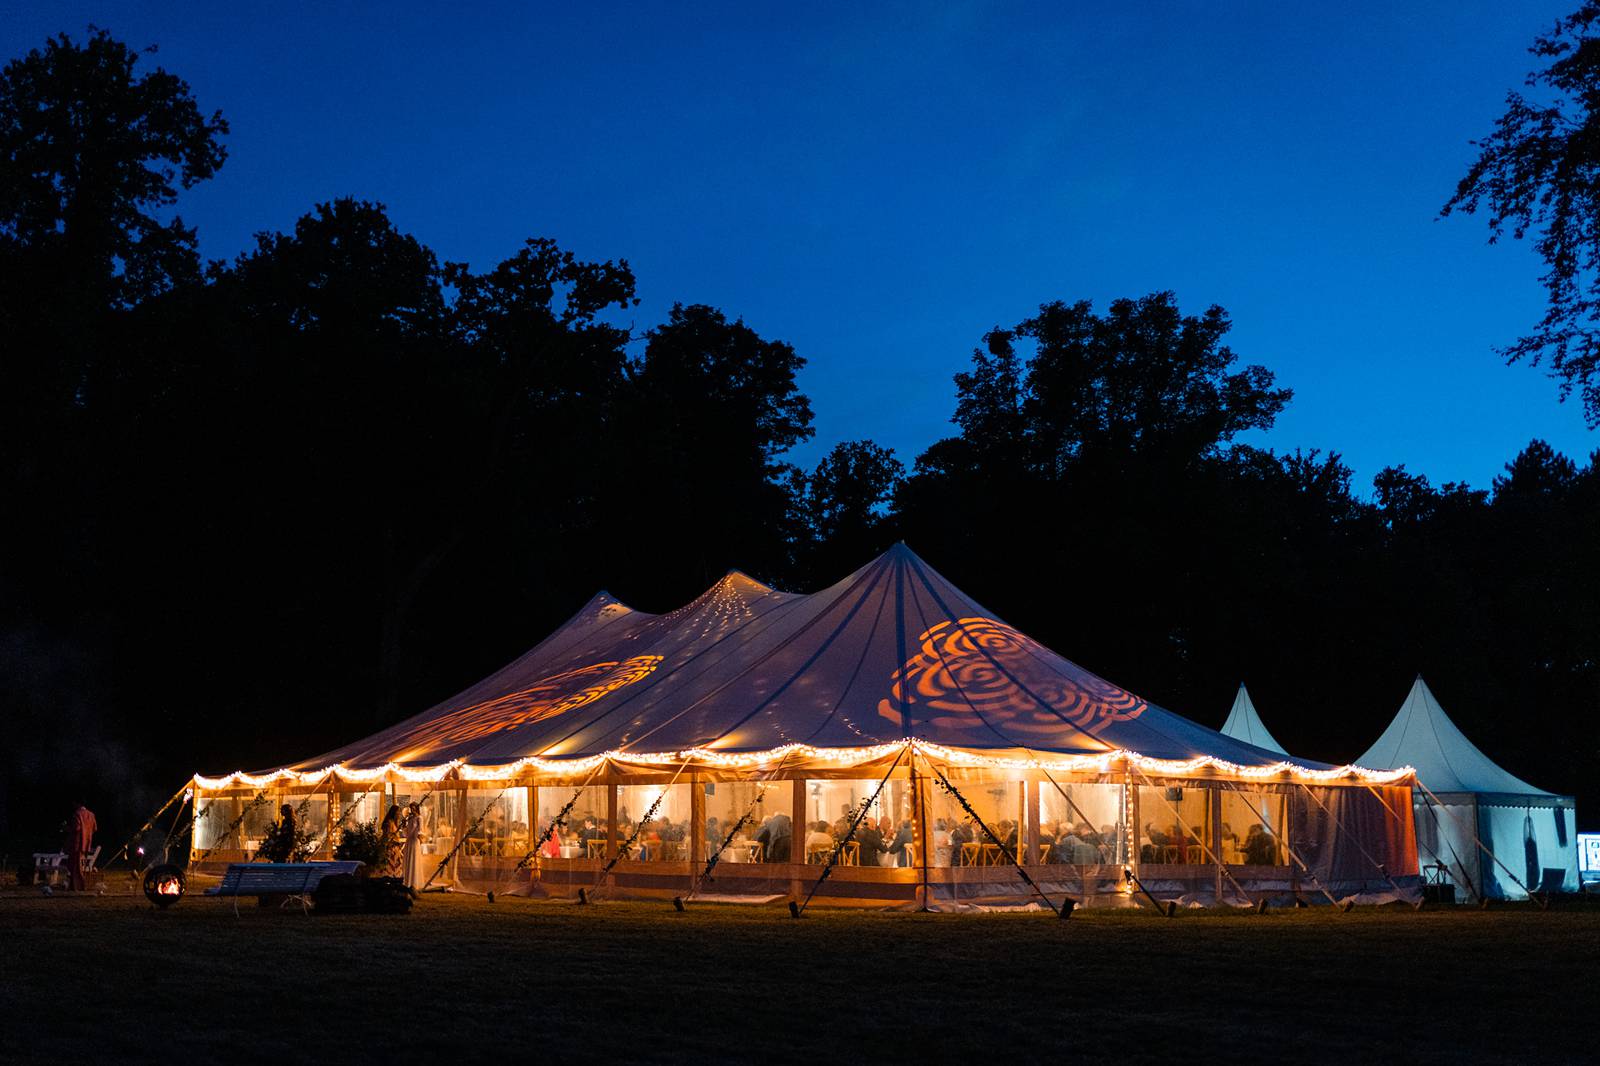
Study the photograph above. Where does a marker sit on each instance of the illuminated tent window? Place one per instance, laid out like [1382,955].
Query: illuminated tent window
[361,806]
[1176,827]
[587,823]
[959,841]
[885,832]
[502,836]
[1082,824]
[441,811]
[1253,828]
[662,815]
[727,803]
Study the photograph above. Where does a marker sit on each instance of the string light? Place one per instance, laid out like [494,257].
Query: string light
[836,759]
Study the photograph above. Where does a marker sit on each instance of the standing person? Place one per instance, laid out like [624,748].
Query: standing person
[80,841]
[393,846]
[414,875]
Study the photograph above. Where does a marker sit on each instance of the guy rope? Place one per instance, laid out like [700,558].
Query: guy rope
[797,909]
[1005,849]
[182,792]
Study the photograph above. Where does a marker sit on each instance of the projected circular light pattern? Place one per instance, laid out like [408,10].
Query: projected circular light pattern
[978,672]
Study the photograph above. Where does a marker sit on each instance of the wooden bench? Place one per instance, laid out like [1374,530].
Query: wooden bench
[297,880]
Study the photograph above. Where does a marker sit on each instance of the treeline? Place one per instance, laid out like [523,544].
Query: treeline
[255,508]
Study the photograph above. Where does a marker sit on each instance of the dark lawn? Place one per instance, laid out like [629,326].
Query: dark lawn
[463,980]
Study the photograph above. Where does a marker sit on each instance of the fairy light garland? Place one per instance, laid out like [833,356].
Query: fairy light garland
[837,758]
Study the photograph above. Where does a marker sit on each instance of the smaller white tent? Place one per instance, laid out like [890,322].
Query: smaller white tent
[1528,832]
[1245,724]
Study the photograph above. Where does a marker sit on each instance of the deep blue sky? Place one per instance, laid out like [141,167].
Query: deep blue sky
[879,184]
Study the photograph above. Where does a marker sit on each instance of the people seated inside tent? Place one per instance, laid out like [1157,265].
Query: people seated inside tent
[1108,843]
[900,844]
[818,838]
[1155,844]
[873,846]
[1260,847]
[776,838]
[960,836]
[1049,833]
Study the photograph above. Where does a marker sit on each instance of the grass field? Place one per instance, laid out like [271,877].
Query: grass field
[463,980]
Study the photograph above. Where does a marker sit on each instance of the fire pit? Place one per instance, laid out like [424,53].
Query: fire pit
[164,885]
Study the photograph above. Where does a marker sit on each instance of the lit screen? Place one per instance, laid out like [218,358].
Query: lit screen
[1589,853]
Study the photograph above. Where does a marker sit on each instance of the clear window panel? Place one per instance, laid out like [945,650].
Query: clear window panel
[441,822]
[212,815]
[958,837]
[258,818]
[363,806]
[502,833]
[1081,824]
[886,836]
[582,834]
[657,818]
[1176,827]
[311,820]
[1253,828]
[759,816]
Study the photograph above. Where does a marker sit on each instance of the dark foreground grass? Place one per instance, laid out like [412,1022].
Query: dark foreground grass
[460,980]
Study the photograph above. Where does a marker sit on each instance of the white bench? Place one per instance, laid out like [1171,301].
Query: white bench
[54,865]
[297,880]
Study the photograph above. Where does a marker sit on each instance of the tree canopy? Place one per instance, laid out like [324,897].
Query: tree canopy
[1538,172]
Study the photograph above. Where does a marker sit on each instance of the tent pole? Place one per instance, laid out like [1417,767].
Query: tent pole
[923,831]
[1214,802]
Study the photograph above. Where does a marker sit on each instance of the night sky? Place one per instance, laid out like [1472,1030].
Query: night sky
[881,186]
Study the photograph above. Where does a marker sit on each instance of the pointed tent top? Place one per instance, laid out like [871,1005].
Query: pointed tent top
[1245,724]
[738,579]
[1423,736]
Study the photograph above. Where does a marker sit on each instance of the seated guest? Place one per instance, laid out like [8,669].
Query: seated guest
[1260,848]
[776,836]
[818,839]
[1151,851]
[899,845]
[714,832]
[590,831]
[960,836]
[872,844]
[941,842]
[1066,847]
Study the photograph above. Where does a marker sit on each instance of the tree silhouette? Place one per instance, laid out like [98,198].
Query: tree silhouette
[1539,171]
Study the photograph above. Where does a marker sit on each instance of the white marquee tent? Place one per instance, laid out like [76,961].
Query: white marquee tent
[1245,724]
[1527,836]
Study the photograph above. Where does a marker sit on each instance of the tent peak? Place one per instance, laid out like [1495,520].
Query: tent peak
[1422,735]
[1244,723]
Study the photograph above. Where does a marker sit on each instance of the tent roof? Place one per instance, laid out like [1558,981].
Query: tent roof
[1245,724]
[893,651]
[1424,737]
